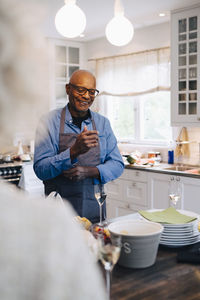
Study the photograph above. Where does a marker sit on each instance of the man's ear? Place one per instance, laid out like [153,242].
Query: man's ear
[67,88]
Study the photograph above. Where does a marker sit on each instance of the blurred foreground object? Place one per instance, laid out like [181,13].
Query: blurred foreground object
[23,67]
[40,241]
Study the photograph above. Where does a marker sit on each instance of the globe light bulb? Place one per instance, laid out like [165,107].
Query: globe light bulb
[70,20]
[119,31]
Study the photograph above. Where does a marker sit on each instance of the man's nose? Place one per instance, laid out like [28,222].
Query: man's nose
[86,95]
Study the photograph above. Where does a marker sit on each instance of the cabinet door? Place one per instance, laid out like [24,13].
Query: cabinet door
[64,59]
[114,189]
[127,194]
[136,195]
[116,208]
[158,190]
[191,194]
[185,67]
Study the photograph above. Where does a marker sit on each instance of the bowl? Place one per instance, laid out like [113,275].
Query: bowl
[140,241]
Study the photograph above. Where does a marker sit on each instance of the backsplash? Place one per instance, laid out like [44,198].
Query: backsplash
[193,135]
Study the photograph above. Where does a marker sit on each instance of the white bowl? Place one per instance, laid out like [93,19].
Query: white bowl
[140,241]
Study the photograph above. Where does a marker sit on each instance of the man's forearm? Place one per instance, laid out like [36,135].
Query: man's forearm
[93,172]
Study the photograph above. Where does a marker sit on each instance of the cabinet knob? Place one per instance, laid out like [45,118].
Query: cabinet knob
[198,118]
[172,178]
[178,178]
[134,184]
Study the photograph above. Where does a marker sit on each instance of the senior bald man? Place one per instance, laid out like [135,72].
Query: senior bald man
[78,149]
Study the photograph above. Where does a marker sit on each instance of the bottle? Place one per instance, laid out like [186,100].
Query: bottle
[170,155]
[20,150]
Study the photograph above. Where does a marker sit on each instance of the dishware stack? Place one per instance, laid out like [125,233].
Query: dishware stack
[180,226]
[178,235]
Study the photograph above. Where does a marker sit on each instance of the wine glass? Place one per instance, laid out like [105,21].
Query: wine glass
[100,196]
[109,251]
[174,191]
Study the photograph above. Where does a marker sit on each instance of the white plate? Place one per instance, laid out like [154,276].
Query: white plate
[175,235]
[184,243]
[178,235]
[179,240]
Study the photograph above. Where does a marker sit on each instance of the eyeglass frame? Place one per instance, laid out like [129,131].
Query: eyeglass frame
[85,90]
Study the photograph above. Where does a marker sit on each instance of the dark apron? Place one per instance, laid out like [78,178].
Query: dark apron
[80,193]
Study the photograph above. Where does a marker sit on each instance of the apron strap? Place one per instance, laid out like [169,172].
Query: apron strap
[62,120]
[93,124]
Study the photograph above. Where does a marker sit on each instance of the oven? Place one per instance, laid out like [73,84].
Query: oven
[11,172]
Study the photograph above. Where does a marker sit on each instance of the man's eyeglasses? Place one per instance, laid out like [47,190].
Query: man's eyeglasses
[82,90]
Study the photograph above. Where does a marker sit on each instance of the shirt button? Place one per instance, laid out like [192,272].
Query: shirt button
[70,121]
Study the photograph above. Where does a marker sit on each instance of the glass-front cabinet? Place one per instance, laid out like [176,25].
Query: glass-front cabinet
[64,58]
[185,67]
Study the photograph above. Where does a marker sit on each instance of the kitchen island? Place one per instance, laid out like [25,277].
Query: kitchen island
[166,279]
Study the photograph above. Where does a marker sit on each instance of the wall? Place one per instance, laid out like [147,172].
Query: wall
[145,38]
[151,37]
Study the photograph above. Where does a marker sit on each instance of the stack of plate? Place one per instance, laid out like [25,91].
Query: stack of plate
[178,235]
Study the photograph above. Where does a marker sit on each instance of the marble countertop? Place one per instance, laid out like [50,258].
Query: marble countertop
[166,169]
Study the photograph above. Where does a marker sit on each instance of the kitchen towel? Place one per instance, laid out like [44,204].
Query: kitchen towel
[169,216]
[182,149]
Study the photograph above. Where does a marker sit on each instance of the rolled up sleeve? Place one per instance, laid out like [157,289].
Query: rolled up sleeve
[47,162]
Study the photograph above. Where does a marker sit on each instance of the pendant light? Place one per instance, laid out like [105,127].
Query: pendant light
[70,20]
[119,31]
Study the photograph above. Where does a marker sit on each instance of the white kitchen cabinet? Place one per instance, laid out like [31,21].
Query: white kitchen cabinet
[136,190]
[158,191]
[117,208]
[185,67]
[191,194]
[64,58]
[127,194]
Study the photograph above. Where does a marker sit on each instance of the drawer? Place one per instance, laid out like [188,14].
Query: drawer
[136,193]
[136,175]
[114,189]
[118,208]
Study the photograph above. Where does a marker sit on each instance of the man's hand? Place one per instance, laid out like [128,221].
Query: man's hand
[86,139]
[79,173]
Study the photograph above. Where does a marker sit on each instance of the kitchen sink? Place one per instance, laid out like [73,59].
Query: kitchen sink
[182,168]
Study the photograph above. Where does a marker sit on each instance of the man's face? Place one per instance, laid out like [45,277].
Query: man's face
[80,102]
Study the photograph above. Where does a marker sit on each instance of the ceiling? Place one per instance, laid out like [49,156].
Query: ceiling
[98,13]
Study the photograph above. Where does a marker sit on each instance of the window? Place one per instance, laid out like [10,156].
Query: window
[141,119]
[155,117]
[136,96]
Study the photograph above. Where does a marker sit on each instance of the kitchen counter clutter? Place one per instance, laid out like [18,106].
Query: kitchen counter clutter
[140,188]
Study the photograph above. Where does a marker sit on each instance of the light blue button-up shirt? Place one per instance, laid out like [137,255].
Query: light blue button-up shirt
[49,164]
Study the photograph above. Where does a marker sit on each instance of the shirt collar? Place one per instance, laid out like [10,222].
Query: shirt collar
[68,116]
